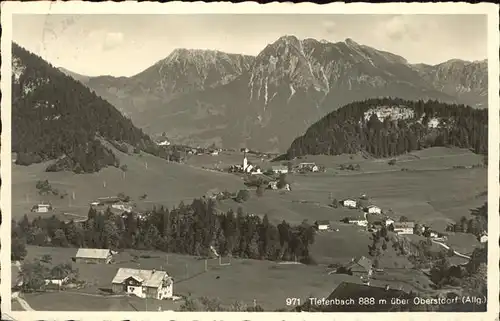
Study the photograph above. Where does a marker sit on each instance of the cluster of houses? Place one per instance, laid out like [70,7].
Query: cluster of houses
[139,282]
[371,217]
[113,202]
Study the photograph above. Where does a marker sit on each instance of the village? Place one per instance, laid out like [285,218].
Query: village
[158,283]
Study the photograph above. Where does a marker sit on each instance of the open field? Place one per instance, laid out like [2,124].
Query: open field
[436,198]
[164,183]
[462,242]
[243,281]
[73,301]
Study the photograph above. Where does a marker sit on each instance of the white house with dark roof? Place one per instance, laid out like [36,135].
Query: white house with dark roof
[322,225]
[349,203]
[404,227]
[373,209]
[84,255]
[280,169]
[143,283]
[358,220]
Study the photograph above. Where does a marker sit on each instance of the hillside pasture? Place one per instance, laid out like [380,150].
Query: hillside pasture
[434,158]
[242,280]
[163,182]
[74,301]
[464,243]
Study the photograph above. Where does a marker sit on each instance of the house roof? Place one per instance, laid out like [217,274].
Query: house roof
[93,253]
[323,222]
[373,218]
[363,262]
[348,199]
[347,290]
[404,224]
[109,199]
[373,206]
[357,218]
[279,167]
[149,278]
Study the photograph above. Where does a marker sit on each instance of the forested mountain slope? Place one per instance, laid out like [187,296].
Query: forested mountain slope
[388,127]
[56,117]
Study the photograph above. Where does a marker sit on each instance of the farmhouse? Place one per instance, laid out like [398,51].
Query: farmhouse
[143,283]
[404,227]
[389,221]
[309,166]
[57,281]
[346,291]
[41,208]
[372,209]
[122,207]
[358,220]
[93,256]
[360,266]
[280,169]
[349,203]
[322,225]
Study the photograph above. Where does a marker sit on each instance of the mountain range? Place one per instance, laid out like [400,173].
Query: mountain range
[264,102]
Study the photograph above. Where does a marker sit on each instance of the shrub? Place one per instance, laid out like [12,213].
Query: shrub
[243,196]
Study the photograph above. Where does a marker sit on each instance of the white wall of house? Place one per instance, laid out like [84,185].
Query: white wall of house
[136,290]
[322,227]
[484,239]
[349,203]
[405,230]
[389,222]
[166,292]
[280,170]
[374,210]
[359,222]
[58,282]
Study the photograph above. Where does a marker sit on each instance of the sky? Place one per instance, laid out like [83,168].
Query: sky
[124,45]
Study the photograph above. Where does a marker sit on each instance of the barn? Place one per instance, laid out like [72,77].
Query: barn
[93,256]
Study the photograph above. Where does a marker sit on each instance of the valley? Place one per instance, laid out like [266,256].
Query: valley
[226,182]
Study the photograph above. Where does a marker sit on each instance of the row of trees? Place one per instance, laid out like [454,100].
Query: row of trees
[347,131]
[188,229]
[35,274]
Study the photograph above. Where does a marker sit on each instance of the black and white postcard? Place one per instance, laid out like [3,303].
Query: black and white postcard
[165,159]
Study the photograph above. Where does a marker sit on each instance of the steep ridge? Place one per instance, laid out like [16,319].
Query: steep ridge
[390,127]
[184,71]
[56,117]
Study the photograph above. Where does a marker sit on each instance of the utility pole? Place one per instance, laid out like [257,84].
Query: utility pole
[187,273]
[104,184]
[206,265]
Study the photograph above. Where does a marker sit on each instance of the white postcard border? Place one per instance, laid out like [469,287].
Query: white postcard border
[130,7]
